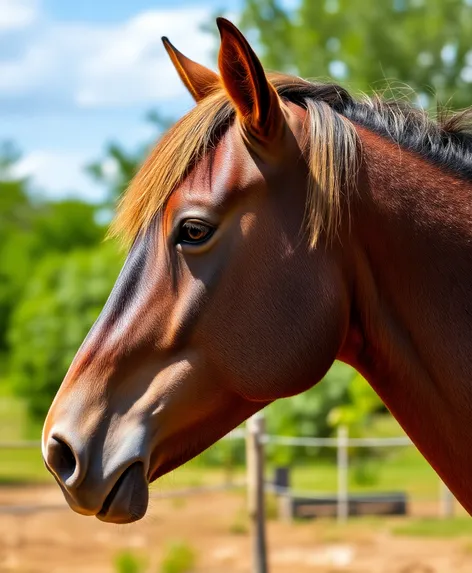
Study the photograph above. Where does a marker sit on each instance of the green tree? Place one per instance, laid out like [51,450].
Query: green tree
[62,226]
[357,414]
[423,43]
[64,296]
[307,414]
[17,213]
[30,229]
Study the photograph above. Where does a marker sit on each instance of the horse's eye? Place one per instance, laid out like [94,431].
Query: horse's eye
[194,232]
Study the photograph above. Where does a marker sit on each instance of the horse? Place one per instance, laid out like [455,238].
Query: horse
[278,226]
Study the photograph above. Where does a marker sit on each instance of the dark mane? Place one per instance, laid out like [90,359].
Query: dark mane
[446,141]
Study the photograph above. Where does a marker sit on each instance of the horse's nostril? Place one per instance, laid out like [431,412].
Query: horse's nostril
[61,459]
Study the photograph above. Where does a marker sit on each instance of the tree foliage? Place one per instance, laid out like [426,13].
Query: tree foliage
[31,229]
[361,43]
[62,300]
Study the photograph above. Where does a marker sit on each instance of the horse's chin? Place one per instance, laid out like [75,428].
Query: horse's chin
[162,470]
[129,498]
[159,467]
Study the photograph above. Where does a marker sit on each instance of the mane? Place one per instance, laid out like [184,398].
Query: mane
[331,149]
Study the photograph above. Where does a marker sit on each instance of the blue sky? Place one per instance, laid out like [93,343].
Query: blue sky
[74,75]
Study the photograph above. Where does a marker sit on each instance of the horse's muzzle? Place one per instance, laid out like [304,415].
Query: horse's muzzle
[114,491]
[128,500]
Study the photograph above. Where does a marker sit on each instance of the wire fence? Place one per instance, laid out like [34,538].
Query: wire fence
[342,443]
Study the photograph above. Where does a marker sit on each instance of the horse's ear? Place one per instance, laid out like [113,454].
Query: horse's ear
[256,100]
[200,81]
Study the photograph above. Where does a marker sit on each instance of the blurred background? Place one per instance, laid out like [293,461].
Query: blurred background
[85,89]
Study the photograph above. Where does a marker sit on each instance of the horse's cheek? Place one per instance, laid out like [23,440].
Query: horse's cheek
[285,336]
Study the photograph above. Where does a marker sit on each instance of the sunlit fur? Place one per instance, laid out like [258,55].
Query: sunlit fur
[331,148]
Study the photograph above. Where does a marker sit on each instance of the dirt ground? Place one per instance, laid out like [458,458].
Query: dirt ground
[59,541]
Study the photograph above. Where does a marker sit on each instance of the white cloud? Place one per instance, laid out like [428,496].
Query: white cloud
[59,174]
[59,67]
[130,64]
[24,74]
[17,14]
[98,65]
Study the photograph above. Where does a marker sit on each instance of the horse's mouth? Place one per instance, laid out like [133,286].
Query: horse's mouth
[129,498]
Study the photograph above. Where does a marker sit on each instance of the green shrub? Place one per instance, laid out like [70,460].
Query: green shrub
[127,562]
[240,523]
[433,527]
[65,294]
[179,558]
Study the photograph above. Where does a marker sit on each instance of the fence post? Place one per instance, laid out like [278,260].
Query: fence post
[255,484]
[447,501]
[343,500]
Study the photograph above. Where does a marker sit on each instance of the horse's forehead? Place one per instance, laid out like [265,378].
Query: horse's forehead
[225,171]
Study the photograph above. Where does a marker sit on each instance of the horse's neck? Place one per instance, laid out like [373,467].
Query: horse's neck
[412,319]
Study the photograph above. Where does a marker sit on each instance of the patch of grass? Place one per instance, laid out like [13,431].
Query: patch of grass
[179,558]
[193,474]
[467,548]
[271,507]
[128,562]
[449,528]
[179,502]
[13,418]
[240,523]
[15,424]
[365,472]
[404,469]
[356,530]
[22,467]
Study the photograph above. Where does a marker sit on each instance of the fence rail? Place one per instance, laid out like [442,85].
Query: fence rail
[334,442]
[267,439]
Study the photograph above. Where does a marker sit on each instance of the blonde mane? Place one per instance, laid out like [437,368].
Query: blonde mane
[168,164]
[331,153]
